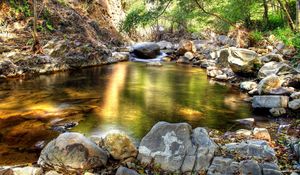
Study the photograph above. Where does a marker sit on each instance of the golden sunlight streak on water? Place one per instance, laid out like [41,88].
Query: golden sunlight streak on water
[110,106]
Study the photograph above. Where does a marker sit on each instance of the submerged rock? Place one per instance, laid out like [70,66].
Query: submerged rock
[72,152]
[146,50]
[183,60]
[175,147]
[154,64]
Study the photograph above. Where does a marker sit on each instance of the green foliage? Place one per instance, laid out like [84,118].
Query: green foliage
[62,2]
[256,36]
[20,6]
[46,15]
[288,37]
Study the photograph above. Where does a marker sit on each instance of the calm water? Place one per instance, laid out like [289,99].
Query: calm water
[127,96]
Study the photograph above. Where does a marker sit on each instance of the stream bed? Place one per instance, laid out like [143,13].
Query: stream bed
[128,97]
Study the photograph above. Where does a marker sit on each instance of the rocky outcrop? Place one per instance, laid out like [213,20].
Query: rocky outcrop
[177,148]
[146,50]
[72,152]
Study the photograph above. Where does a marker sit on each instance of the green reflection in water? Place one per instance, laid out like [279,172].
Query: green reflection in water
[126,96]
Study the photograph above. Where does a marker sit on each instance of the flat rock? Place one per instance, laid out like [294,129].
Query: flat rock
[270,101]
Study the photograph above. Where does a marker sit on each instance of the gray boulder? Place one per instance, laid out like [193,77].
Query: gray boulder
[270,101]
[295,104]
[146,50]
[176,148]
[72,152]
[244,61]
[277,68]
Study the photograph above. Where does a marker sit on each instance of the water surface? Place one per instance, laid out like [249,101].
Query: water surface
[129,97]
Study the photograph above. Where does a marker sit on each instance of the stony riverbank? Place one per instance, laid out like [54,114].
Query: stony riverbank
[166,149]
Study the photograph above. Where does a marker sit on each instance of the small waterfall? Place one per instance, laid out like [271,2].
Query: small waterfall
[157,59]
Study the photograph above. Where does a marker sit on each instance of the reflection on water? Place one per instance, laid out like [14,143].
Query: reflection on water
[127,96]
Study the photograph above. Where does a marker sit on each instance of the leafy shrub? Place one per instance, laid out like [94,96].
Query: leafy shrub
[255,36]
[20,6]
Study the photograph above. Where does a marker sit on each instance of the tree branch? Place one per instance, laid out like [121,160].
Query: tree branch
[214,14]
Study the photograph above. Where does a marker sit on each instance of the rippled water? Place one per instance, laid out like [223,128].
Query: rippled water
[130,97]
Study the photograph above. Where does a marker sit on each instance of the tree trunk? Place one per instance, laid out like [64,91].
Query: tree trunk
[266,12]
[298,15]
[287,14]
[36,48]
